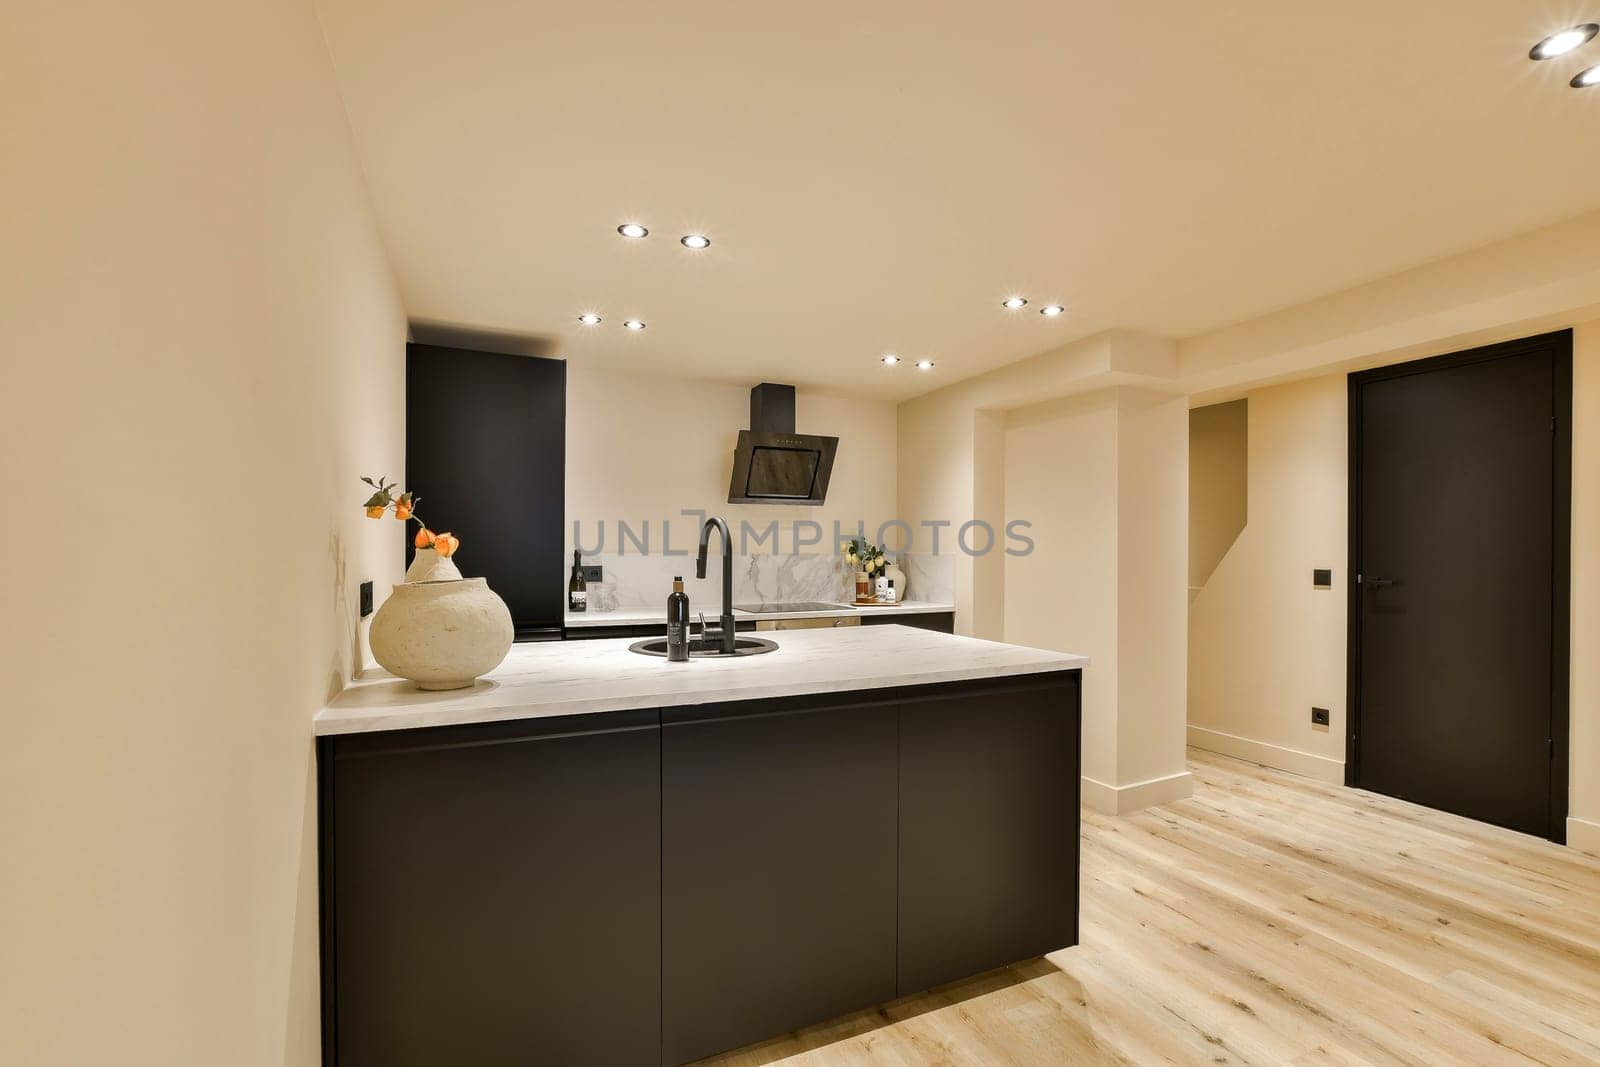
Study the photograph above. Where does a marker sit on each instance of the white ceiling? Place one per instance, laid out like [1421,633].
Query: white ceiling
[877,176]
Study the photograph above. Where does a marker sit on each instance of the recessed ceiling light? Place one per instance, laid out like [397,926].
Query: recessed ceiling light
[891,360]
[1051,310]
[924,364]
[634,324]
[1012,303]
[632,229]
[589,318]
[1587,78]
[1559,44]
[696,240]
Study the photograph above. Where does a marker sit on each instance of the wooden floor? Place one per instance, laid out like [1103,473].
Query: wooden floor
[1271,919]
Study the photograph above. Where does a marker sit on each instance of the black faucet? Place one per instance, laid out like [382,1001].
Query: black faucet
[727,635]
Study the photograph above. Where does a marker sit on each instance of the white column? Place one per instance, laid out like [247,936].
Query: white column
[1103,479]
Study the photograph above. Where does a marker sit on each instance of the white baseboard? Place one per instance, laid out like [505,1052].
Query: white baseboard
[1122,799]
[1583,835]
[1292,760]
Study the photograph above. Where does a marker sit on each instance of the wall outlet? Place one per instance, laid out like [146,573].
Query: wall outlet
[593,573]
[366,599]
[1322,578]
[1319,716]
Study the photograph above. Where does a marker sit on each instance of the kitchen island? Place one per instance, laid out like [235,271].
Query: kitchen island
[593,856]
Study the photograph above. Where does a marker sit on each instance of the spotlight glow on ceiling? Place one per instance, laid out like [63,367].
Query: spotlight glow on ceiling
[890,360]
[1559,44]
[589,318]
[1586,78]
[634,324]
[1050,311]
[924,364]
[632,229]
[1014,302]
[696,240]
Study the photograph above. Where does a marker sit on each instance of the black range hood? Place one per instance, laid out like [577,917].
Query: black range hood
[774,465]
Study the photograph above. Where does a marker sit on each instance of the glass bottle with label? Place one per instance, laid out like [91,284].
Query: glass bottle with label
[678,623]
[577,588]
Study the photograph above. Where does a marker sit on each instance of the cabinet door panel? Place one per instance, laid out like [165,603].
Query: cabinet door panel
[943,622]
[497,897]
[501,483]
[778,881]
[988,830]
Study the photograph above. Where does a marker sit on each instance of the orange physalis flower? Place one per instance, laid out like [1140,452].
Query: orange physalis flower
[446,544]
[424,538]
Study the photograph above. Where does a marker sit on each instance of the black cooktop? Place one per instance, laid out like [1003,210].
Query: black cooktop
[810,605]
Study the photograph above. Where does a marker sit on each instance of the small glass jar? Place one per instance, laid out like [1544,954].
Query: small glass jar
[863,586]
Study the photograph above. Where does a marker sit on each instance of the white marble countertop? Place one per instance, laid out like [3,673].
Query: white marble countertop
[583,677]
[647,616]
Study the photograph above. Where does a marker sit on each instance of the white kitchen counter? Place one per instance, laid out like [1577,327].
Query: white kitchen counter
[582,677]
[658,615]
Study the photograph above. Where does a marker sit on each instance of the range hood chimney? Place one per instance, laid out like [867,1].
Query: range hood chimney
[772,408]
[774,465]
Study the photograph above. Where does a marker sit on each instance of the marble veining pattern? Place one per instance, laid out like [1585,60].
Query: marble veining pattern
[928,577]
[584,677]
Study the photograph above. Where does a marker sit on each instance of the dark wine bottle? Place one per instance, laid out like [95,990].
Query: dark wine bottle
[678,623]
[577,588]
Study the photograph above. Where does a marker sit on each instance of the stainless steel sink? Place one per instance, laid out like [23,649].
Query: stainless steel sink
[699,649]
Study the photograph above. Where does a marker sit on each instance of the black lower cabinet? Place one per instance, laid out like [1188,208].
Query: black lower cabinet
[989,784]
[943,622]
[495,894]
[654,886]
[778,869]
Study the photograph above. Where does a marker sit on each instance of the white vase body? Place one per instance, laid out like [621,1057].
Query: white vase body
[442,634]
[428,566]
[898,577]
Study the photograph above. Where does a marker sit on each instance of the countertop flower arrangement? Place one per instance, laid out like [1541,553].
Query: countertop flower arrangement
[863,555]
[404,505]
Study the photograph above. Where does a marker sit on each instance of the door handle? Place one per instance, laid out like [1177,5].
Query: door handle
[1376,583]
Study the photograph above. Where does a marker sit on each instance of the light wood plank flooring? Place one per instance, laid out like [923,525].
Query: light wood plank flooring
[1271,919]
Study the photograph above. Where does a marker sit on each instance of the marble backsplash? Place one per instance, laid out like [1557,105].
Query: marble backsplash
[634,581]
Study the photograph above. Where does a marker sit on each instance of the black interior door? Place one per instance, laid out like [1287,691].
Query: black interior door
[486,452]
[1459,524]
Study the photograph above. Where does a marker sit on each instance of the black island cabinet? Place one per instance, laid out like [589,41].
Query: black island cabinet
[654,886]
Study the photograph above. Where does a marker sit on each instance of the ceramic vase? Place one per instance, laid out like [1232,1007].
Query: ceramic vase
[428,566]
[898,577]
[442,634]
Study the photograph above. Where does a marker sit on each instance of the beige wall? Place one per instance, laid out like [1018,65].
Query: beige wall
[1152,536]
[1265,646]
[1219,485]
[203,350]
[641,447]
[951,449]
[1061,476]
[936,449]
[988,571]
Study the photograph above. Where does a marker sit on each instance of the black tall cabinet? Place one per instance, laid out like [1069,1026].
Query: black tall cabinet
[486,452]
